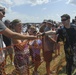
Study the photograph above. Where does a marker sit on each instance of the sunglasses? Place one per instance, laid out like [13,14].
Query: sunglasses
[34,31]
[64,19]
[3,12]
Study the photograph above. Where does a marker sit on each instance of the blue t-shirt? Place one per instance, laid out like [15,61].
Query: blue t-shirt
[36,50]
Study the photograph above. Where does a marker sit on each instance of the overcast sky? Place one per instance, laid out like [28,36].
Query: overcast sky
[38,10]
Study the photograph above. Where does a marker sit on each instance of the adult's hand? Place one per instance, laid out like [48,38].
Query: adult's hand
[41,34]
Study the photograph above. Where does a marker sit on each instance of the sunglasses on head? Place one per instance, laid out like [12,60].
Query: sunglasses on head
[64,19]
[3,12]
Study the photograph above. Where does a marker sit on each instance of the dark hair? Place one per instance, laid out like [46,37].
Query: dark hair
[7,21]
[66,16]
[73,20]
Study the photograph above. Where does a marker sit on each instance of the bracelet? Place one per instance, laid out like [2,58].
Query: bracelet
[43,33]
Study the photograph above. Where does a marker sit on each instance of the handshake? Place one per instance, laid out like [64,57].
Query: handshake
[40,34]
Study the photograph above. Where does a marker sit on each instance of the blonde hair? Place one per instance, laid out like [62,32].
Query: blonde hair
[33,28]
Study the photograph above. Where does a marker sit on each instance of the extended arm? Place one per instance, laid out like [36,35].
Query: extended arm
[47,33]
[7,32]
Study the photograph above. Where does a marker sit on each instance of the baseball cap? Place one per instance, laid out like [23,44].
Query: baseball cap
[7,21]
[44,21]
[15,21]
[49,21]
[1,8]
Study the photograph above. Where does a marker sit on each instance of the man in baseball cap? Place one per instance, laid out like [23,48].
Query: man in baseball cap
[2,12]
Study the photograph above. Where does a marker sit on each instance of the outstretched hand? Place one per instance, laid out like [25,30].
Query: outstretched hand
[33,37]
[39,34]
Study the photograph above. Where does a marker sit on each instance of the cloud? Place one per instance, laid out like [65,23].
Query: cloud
[6,2]
[23,17]
[10,14]
[71,2]
[21,2]
[55,1]
[37,2]
[33,2]
[12,3]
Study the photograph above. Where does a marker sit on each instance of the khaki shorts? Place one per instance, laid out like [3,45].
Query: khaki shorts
[8,51]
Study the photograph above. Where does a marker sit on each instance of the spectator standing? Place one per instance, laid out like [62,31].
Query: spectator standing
[7,32]
[67,34]
[8,43]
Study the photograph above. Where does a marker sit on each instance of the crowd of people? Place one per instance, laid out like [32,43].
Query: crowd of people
[45,38]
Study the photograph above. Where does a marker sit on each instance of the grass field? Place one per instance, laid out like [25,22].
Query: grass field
[57,64]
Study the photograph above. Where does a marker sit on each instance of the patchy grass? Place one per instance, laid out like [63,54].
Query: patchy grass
[57,64]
